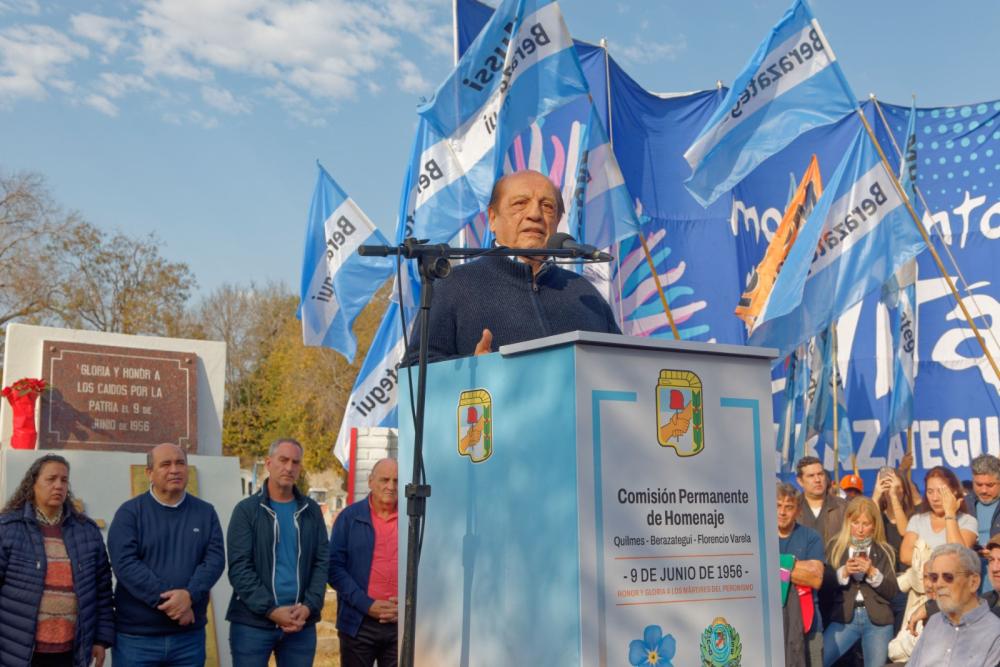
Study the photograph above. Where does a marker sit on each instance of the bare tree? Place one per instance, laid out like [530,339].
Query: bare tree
[29,219]
[246,318]
[118,283]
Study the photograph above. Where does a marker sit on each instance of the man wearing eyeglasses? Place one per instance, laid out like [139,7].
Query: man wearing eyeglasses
[965,632]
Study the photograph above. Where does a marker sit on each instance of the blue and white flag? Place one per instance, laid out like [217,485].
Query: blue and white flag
[899,294]
[337,282]
[440,195]
[825,381]
[796,382]
[858,234]
[520,67]
[373,398]
[601,209]
[791,84]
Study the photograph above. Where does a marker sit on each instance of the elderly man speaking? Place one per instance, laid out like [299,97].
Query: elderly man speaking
[965,633]
[495,301]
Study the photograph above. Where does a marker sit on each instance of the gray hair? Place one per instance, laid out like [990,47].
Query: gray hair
[967,558]
[986,464]
[277,443]
[498,187]
[371,473]
[786,490]
[149,454]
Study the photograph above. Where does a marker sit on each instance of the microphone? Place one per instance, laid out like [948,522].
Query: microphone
[563,241]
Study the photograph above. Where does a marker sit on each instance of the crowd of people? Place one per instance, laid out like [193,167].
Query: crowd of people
[901,577]
[166,550]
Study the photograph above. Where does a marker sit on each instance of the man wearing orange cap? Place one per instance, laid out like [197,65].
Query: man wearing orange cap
[852,486]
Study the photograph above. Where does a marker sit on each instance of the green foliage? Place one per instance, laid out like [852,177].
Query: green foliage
[290,390]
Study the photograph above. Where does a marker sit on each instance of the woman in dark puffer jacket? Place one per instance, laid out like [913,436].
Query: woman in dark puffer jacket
[55,579]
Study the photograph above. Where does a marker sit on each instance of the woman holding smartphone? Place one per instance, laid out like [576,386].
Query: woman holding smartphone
[866,582]
[895,499]
[946,522]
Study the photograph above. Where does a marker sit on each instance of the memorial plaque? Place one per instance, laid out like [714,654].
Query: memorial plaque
[117,398]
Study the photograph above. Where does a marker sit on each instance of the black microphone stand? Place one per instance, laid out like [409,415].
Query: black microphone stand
[433,261]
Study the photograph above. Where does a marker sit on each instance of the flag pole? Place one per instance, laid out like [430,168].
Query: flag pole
[909,450]
[642,237]
[611,141]
[927,240]
[834,377]
[789,416]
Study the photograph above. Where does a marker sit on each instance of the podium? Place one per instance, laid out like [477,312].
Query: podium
[597,500]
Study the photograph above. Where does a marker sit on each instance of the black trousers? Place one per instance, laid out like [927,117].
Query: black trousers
[375,642]
[52,659]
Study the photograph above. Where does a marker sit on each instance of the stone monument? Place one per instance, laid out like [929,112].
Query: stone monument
[112,398]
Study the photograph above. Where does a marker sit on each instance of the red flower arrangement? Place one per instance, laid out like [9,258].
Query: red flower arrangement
[21,395]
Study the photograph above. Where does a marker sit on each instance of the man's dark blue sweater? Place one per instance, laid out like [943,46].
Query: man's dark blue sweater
[502,295]
[155,548]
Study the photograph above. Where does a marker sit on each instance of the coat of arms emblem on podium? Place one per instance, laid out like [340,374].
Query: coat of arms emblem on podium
[680,412]
[475,425]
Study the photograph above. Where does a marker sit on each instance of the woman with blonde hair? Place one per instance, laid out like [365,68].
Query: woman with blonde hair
[866,582]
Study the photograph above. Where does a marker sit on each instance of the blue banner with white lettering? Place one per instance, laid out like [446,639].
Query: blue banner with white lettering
[705,255]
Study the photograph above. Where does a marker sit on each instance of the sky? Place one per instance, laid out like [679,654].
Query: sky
[201,120]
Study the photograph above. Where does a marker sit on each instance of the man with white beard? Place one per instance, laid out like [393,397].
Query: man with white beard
[965,632]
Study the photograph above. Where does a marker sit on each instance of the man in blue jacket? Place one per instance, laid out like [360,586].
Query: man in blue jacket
[363,570]
[277,566]
[167,552]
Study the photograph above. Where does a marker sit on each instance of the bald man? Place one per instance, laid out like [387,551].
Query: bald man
[496,301]
[364,569]
[167,552]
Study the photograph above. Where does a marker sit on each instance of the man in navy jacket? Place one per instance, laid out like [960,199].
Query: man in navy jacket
[363,570]
[167,552]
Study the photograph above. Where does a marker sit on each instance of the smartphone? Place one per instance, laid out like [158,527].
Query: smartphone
[886,471]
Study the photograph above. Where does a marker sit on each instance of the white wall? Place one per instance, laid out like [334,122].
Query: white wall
[373,444]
